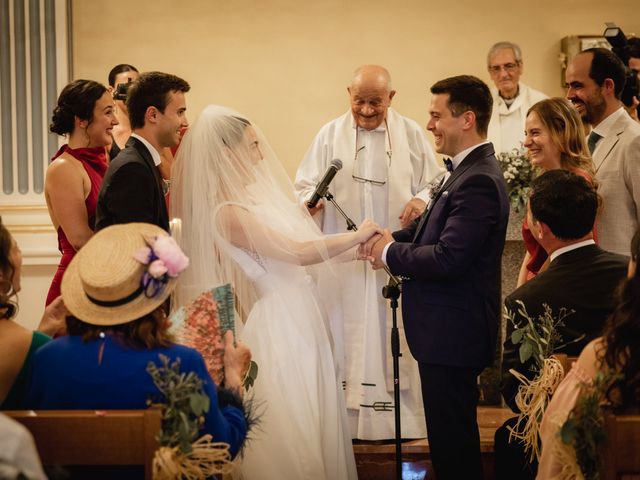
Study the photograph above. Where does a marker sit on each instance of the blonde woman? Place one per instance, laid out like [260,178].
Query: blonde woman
[554,139]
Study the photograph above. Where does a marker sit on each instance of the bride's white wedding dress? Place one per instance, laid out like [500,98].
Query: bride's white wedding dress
[303,432]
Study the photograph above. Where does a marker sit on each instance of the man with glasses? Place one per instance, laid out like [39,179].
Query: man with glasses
[387,166]
[511,98]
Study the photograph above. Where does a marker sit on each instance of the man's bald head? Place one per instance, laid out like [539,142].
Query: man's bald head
[370,94]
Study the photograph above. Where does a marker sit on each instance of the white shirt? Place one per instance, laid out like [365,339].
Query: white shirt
[154,153]
[568,248]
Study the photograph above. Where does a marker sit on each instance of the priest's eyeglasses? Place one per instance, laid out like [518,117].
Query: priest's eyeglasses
[508,67]
[378,181]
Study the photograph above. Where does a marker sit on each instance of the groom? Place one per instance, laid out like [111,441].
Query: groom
[450,261]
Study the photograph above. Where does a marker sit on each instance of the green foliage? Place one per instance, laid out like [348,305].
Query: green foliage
[584,428]
[185,403]
[538,338]
[251,375]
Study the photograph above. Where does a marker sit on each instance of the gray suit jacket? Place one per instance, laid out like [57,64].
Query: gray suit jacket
[617,164]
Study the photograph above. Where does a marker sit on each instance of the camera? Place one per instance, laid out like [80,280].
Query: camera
[618,41]
[121,91]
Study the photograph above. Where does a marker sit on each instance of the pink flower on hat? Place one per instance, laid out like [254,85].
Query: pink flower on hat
[167,250]
[157,268]
[163,255]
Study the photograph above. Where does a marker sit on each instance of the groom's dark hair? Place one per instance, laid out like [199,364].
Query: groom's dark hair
[152,89]
[467,93]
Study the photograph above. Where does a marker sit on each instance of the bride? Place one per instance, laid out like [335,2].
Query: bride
[242,224]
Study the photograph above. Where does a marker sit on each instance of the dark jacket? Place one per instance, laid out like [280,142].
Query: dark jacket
[132,190]
[452,258]
[582,280]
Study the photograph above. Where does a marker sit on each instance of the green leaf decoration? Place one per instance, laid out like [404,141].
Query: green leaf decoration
[184,403]
[206,403]
[540,333]
[196,403]
[525,351]
[516,336]
[584,428]
[251,376]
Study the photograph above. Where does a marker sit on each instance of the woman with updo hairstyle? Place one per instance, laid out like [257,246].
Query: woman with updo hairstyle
[554,139]
[18,344]
[85,115]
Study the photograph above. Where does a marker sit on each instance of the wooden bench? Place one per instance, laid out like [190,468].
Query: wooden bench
[565,361]
[622,448]
[89,437]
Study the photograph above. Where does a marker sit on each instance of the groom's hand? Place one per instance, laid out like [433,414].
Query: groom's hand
[364,249]
[377,248]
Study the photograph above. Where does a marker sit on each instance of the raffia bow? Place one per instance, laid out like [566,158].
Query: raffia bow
[207,458]
[532,399]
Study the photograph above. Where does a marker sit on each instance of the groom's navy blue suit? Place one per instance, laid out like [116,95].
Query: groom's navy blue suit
[451,257]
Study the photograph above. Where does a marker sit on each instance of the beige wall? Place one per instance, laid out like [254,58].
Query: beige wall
[285,63]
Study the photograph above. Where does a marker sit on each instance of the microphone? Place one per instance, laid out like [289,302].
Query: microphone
[323,185]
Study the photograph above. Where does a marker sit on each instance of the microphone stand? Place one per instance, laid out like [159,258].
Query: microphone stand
[391,291]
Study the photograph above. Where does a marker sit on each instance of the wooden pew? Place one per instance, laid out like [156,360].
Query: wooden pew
[622,448]
[565,361]
[89,437]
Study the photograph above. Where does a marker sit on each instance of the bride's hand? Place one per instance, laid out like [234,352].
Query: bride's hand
[366,230]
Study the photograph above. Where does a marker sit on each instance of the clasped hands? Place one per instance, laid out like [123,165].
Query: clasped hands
[373,244]
[373,239]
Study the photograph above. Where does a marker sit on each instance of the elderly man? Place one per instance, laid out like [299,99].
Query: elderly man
[387,166]
[511,98]
[596,79]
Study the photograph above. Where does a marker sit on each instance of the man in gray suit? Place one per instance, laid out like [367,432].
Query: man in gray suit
[595,79]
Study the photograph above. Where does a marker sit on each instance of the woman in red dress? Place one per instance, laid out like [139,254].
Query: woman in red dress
[85,114]
[554,138]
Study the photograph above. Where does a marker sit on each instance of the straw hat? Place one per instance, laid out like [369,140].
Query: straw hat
[103,283]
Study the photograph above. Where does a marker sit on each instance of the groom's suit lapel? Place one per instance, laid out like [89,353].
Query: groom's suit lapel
[467,163]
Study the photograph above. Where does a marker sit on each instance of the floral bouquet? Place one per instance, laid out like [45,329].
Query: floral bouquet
[518,173]
[202,325]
